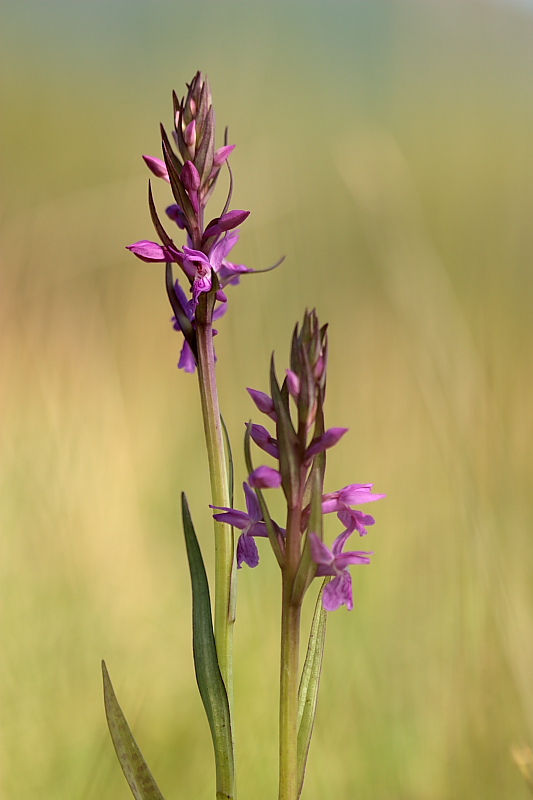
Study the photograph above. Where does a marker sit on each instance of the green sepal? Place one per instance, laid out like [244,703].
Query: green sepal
[180,195]
[134,767]
[307,567]
[309,685]
[208,675]
[271,528]
[287,440]
[206,148]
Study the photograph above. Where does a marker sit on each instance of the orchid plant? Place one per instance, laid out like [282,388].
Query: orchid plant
[297,447]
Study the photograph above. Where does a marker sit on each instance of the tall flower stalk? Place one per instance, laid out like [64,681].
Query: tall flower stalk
[192,173]
[297,447]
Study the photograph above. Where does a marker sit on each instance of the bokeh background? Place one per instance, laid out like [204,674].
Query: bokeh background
[385,147]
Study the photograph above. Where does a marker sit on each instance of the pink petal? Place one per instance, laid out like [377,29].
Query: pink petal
[265,478]
[158,167]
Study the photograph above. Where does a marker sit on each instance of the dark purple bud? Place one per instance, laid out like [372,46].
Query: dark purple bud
[176,214]
[190,178]
[264,440]
[265,478]
[158,167]
[225,223]
[263,402]
[232,219]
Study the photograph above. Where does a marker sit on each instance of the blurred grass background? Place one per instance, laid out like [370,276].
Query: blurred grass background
[385,148]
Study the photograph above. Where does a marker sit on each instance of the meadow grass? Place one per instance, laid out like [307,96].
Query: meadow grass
[398,182]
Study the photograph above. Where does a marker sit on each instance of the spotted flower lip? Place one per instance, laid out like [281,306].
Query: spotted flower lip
[198,265]
[335,562]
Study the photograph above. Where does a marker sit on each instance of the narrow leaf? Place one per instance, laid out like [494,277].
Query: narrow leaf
[208,676]
[136,771]
[309,685]
[229,457]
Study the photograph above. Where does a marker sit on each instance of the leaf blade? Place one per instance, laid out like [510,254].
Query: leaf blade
[309,684]
[134,767]
[208,675]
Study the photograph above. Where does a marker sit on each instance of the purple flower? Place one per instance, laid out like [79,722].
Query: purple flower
[264,440]
[222,154]
[340,502]
[199,266]
[251,524]
[334,562]
[265,478]
[152,251]
[228,221]
[324,442]
[263,402]
[158,167]
[175,213]
[187,361]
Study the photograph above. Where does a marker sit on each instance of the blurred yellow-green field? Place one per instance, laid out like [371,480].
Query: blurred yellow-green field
[386,149]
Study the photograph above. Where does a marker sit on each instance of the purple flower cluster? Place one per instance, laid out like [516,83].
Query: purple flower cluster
[299,450]
[192,173]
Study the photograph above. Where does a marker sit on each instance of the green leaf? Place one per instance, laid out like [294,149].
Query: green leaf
[138,775]
[208,676]
[309,684]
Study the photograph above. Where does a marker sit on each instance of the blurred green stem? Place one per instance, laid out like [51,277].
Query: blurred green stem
[224,564]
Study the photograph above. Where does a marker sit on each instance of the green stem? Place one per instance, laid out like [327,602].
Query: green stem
[224,547]
[289,668]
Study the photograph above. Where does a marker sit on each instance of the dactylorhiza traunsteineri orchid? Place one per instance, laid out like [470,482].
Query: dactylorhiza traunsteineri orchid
[297,446]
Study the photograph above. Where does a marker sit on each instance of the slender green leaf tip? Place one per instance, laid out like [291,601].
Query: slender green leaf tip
[135,768]
[208,675]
